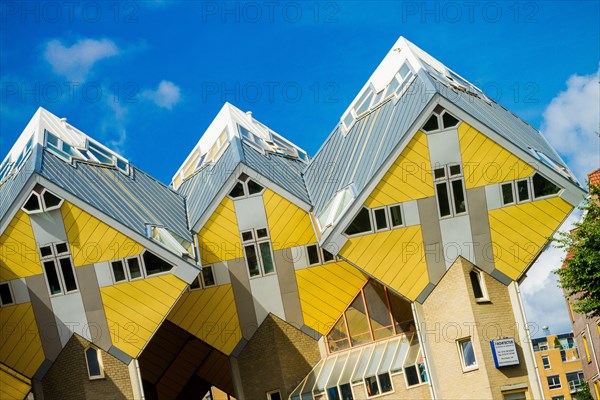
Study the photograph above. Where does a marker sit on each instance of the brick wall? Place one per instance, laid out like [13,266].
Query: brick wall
[278,356]
[68,377]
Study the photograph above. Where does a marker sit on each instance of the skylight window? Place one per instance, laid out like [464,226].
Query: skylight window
[171,240]
[336,207]
[8,168]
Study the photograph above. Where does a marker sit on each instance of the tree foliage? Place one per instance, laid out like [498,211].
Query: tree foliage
[580,274]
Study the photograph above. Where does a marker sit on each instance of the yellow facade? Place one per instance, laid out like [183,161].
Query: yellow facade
[486,162]
[134,310]
[409,178]
[211,315]
[289,225]
[557,367]
[20,345]
[394,257]
[519,232]
[14,385]
[326,291]
[92,241]
[219,238]
[19,256]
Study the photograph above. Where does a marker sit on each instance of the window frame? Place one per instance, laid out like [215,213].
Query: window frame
[212,271]
[256,242]
[320,255]
[461,354]
[546,360]
[100,363]
[388,217]
[246,190]
[125,263]
[270,392]
[554,384]
[11,293]
[514,194]
[55,257]
[480,278]
[448,179]
[378,380]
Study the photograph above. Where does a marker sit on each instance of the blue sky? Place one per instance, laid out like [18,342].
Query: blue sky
[140,75]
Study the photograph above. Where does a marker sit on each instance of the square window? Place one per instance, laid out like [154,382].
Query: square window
[467,354]
[396,216]
[554,382]
[454,170]
[46,251]
[313,254]
[412,376]
[62,248]
[439,173]
[274,395]
[261,233]
[381,222]
[118,271]
[208,276]
[523,190]
[246,236]
[508,196]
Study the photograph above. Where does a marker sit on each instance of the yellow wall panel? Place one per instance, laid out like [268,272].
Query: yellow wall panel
[519,231]
[18,250]
[135,309]
[20,345]
[409,178]
[219,238]
[289,225]
[395,257]
[326,291]
[13,386]
[92,240]
[486,162]
[211,315]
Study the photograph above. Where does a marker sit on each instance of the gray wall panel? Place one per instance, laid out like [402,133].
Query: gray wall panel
[94,309]
[243,297]
[289,288]
[44,316]
[432,238]
[480,228]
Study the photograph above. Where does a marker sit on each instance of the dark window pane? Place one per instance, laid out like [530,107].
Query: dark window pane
[93,363]
[243,177]
[118,271]
[423,373]
[313,254]
[267,258]
[332,393]
[195,283]
[386,383]
[379,313]
[5,295]
[439,173]
[454,170]
[346,392]
[247,236]
[134,268]
[361,223]
[208,277]
[396,215]
[32,203]
[237,191]
[401,313]
[68,275]
[52,275]
[543,187]
[476,284]
[372,387]
[254,187]
[155,264]
[357,322]
[459,196]
[468,353]
[412,376]
[431,124]
[261,233]
[252,260]
[327,256]
[448,120]
[443,202]
[46,251]
[523,190]
[61,248]
[380,219]
[507,193]
[50,200]
[275,396]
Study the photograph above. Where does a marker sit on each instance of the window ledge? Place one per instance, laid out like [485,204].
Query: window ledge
[483,301]
[470,369]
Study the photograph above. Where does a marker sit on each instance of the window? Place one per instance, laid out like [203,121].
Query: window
[245,187]
[534,187]
[138,267]
[379,384]
[440,119]
[6,296]
[508,195]
[542,187]
[381,219]
[93,360]
[58,268]
[376,220]
[561,397]
[574,381]
[467,354]
[554,382]
[317,255]
[154,264]
[586,349]
[40,200]
[170,240]
[361,223]
[257,250]
[478,285]
[546,362]
[523,190]
[274,395]
[336,207]
[449,186]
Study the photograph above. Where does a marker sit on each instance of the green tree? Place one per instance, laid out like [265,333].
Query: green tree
[584,392]
[581,272]
[557,344]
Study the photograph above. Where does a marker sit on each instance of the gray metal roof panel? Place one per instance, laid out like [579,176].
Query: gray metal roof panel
[134,200]
[9,191]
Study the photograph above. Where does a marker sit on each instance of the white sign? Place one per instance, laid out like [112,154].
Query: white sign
[504,352]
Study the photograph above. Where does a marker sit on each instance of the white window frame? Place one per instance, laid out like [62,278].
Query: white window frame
[12,295]
[272,392]
[42,202]
[386,214]
[320,255]
[168,241]
[201,280]
[554,384]
[482,285]
[448,179]
[466,368]
[514,193]
[370,231]
[100,363]
[125,264]
[376,376]
[256,241]
[529,190]
[546,358]
[402,216]
[56,257]
[416,365]
[246,194]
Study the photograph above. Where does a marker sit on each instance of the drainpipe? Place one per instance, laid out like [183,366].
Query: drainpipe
[139,377]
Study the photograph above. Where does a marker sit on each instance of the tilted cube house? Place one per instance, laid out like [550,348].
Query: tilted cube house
[387,265]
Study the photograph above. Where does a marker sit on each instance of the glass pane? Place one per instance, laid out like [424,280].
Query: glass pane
[261,233]
[337,369]
[443,202]
[348,119]
[62,248]
[310,381]
[423,372]
[379,313]
[208,276]
[254,187]
[401,313]
[431,124]
[507,193]
[46,251]
[364,106]
[412,376]
[267,259]
[476,284]
[380,219]
[360,224]
[237,191]
[5,295]
[93,364]
[346,375]
[439,173]
[195,283]
[332,393]
[118,271]
[50,200]
[385,382]
[32,203]
[327,256]
[313,254]
[403,347]
[155,264]
[346,392]
[543,187]
[357,322]
[324,376]
[247,236]
[459,197]
[522,190]
[448,120]
[454,170]
[404,70]
[468,353]
[52,275]
[392,87]
[372,386]
[134,268]
[388,355]
[375,359]
[396,215]
[361,365]
[252,260]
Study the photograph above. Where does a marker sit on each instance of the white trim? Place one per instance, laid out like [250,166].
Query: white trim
[100,363]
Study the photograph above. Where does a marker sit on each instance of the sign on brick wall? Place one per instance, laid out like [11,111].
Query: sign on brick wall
[504,352]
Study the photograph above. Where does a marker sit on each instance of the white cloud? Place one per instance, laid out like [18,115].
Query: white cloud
[166,95]
[76,61]
[571,123]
